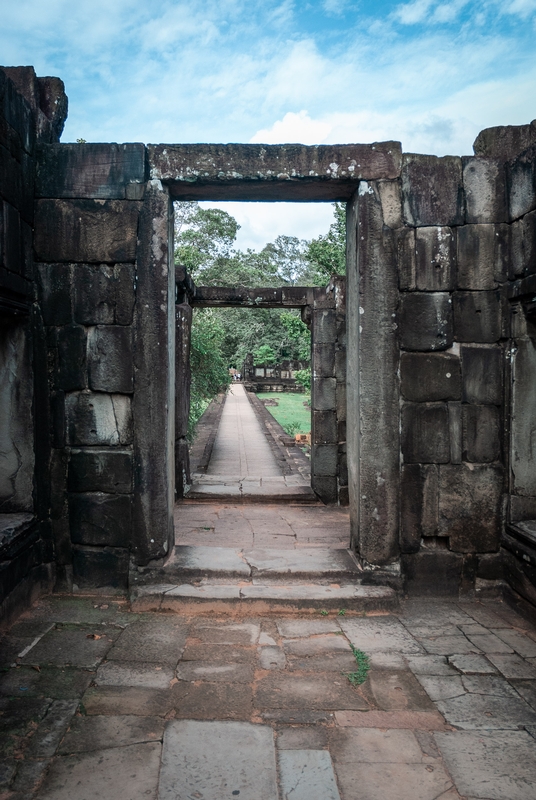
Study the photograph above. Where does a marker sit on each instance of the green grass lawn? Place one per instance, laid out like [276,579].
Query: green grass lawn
[290,409]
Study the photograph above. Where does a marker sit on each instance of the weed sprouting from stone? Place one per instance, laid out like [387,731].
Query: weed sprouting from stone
[363,666]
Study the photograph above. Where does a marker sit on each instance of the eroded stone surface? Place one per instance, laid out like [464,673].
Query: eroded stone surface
[130,771]
[216,760]
[307,775]
[490,764]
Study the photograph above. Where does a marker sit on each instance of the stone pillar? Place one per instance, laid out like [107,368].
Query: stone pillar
[153,403]
[372,380]
[183,330]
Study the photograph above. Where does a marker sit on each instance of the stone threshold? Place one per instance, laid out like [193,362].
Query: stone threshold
[187,563]
[241,597]
[224,488]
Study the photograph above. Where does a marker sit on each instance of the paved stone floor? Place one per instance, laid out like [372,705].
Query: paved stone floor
[265,526]
[99,702]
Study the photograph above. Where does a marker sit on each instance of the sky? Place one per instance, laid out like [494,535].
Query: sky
[430,74]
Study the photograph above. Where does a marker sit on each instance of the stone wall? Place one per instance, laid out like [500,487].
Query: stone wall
[32,111]
[433,255]
[102,243]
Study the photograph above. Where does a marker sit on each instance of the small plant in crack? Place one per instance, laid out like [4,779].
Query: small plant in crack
[363,666]
[342,612]
[324,613]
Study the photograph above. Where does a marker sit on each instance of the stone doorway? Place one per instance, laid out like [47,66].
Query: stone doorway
[324,311]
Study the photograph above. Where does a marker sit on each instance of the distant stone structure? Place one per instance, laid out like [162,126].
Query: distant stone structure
[423,359]
[272,377]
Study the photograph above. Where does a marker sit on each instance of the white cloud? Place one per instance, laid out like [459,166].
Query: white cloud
[523,8]
[412,13]
[294,128]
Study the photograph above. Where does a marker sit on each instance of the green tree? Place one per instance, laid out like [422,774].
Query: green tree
[264,355]
[326,255]
[210,374]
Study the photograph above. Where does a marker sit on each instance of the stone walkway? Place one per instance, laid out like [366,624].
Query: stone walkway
[242,464]
[100,702]
[282,526]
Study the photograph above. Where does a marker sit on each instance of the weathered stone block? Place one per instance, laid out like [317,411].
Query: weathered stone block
[425,433]
[432,190]
[86,230]
[483,253]
[324,394]
[99,567]
[110,359]
[11,178]
[297,296]
[324,326]
[100,470]
[324,459]
[10,235]
[55,293]
[504,141]
[391,200]
[325,487]
[98,419]
[99,171]
[324,360]
[341,401]
[405,256]
[418,505]
[27,251]
[523,422]
[100,519]
[435,259]
[522,508]
[484,181]
[455,432]
[469,506]
[426,321]
[521,181]
[342,469]
[53,103]
[477,316]
[340,365]
[72,358]
[104,295]
[323,297]
[427,377]
[324,427]
[481,434]
[482,371]
[435,572]
[523,246]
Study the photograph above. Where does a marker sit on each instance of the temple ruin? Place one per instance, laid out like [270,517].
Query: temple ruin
[424,357]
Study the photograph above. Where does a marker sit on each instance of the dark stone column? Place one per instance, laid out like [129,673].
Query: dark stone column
[373,391]
[153,403]
[183,330]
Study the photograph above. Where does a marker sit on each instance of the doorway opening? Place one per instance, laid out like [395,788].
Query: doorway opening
[251,314]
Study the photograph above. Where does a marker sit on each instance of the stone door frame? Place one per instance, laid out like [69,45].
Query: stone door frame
[299,173]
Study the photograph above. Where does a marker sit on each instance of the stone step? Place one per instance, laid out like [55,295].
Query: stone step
[242,493]
[311,563]
[206,597]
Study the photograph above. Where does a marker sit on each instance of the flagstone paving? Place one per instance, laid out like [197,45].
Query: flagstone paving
[97,701]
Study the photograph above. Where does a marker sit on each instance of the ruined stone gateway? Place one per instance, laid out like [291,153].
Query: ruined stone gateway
[426,355]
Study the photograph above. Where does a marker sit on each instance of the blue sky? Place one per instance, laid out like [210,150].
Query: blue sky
[430,74]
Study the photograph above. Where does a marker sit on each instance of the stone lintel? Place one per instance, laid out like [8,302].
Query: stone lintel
[229,296]
[271,172]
